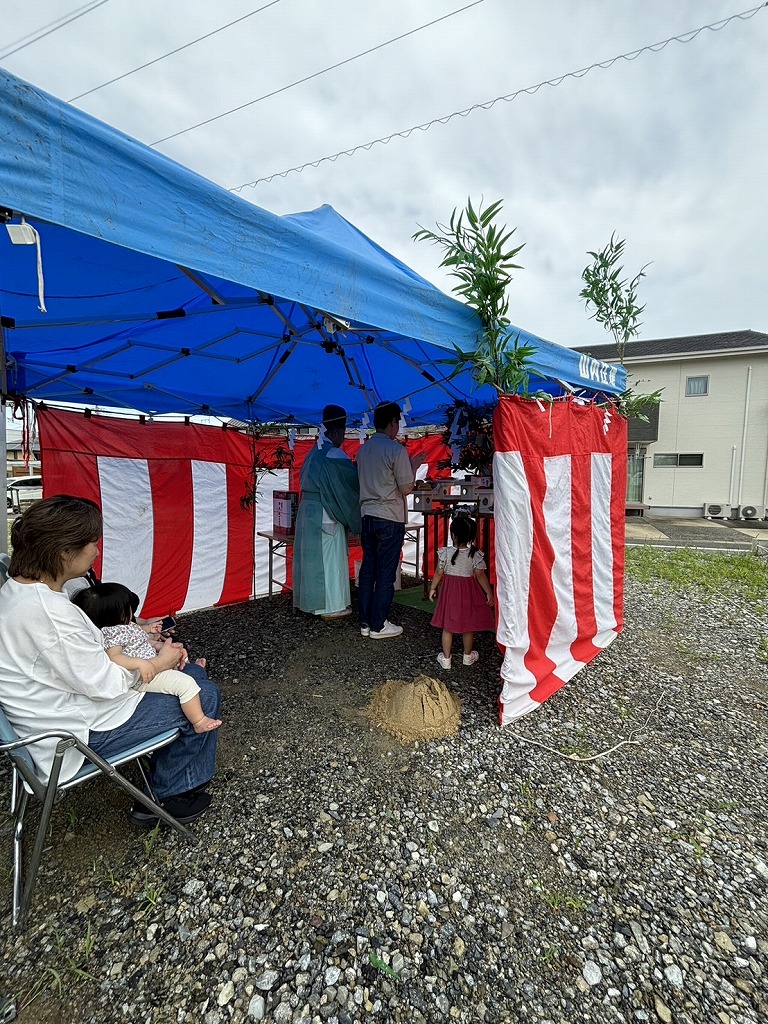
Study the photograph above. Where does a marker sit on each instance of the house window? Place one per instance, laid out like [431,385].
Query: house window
[672,459]
[696,386]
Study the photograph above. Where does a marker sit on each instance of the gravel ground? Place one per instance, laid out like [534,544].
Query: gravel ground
[342,876]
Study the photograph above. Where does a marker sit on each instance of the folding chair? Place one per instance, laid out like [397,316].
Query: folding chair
[25,783]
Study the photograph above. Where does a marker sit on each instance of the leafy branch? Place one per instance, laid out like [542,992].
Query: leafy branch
[478,254]
[267,455]
[614,299]
[616,307]
[634,406]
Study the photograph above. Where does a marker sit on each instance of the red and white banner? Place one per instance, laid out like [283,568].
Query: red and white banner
[174,529]
[560,475]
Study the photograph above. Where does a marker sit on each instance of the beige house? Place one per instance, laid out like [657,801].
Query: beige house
[705,451]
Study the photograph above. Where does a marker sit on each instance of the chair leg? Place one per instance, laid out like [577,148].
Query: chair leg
[24,886]
[112,773]
[150,804]
[40,836]
[142,766]
[19,801]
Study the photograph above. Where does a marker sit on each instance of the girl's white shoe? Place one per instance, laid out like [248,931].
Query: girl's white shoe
[442,661]
[471,658]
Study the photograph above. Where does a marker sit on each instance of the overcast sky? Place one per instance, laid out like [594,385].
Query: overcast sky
[669,150]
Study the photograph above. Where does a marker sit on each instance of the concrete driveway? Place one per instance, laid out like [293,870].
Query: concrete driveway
[704,534]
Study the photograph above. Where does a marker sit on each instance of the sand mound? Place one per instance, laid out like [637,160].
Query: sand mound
[418,709]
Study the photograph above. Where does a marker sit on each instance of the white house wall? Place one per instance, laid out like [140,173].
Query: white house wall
[710,424]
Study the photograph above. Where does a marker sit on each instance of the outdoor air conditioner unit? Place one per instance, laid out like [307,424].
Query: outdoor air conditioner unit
[717,510]
[749,512]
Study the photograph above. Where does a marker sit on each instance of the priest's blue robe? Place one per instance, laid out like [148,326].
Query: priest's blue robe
[329,510]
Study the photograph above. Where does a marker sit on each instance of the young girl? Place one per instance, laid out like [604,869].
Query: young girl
[111,607]
[466,600]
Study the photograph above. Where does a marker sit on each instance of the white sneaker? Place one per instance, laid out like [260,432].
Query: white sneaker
[365,631]
[387,630]
[442,661]
[471,658]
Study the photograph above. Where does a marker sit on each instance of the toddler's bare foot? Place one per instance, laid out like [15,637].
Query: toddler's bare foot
[206,724]
[201,662]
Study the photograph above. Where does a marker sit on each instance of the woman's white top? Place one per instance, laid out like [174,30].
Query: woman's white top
[55,673]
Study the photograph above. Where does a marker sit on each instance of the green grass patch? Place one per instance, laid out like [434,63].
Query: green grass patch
[684,567]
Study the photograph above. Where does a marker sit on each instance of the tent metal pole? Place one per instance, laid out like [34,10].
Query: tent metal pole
[267,300]
[3,432]
[203,285]
[252,398]
[434,382]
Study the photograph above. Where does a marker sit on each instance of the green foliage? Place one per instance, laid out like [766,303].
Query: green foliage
[267,455]
[478,253]
[615,304]
[70,969]
[623,710]
[613,297]
[698,847]
[578,747]
[378,963]
[550,955]
[636,406]
[153,892]
[88,942]
[50,978]
[557,900]
[684,568]
[151,839]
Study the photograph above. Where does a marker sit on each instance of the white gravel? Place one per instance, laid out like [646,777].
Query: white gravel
[342,877]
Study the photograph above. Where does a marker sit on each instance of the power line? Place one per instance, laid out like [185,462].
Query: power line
[317,74]
[57,23]
[170,53]
[52,26]
[685,37]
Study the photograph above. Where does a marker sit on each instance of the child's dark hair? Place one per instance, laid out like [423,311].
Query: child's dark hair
[107,604]
[463,531]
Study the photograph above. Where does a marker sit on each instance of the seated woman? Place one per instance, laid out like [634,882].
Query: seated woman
[55,673]
[110,607]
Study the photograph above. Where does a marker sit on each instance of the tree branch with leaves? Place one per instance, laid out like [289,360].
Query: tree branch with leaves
[614,299]
[268,454]
[615,303]
[478,253]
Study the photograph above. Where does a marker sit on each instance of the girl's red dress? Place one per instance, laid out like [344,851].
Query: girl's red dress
[461,603]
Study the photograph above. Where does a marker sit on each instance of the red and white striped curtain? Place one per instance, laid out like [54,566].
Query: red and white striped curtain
[560,475]
[174,529]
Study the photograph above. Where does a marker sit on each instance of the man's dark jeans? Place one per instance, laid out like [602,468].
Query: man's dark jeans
[382,542]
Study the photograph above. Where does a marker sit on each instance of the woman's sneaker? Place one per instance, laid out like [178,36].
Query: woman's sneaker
[443,662]
[471,658]
[185,808]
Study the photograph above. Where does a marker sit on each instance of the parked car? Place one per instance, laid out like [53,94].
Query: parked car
[22,489]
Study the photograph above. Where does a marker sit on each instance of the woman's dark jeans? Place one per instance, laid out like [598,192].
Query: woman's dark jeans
[189,761]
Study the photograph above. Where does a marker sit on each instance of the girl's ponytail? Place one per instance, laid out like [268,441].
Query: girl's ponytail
[463,530]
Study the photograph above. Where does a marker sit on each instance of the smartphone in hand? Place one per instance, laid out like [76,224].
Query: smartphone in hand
[168,624]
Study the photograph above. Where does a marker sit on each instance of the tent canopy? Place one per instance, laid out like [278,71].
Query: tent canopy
[166,293]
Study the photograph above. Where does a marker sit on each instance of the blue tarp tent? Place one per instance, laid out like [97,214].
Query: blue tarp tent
[166,293]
